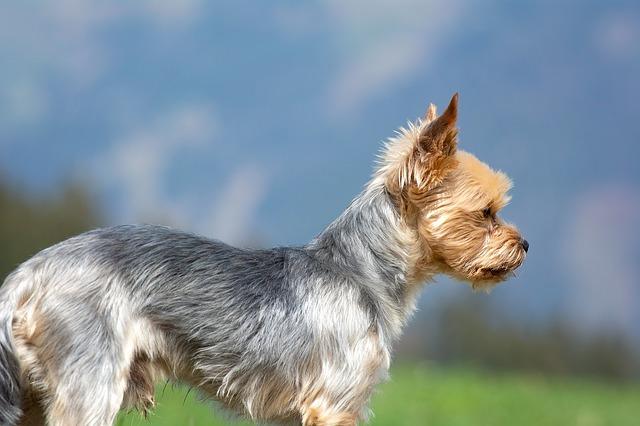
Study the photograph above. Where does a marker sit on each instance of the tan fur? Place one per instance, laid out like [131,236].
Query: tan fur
[431,114]
[36,364]
[315,417]
[441,193]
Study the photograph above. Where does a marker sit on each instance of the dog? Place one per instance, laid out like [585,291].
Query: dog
[291,335]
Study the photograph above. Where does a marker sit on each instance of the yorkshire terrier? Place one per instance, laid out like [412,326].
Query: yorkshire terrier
[294,335]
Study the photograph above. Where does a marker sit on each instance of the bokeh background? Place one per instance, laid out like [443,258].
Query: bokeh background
[257,122]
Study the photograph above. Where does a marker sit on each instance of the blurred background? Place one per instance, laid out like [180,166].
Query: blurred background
[257,122]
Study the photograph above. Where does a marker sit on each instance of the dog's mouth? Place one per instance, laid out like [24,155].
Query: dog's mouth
[495,274]
[499,272]
[486,278]
[494,271]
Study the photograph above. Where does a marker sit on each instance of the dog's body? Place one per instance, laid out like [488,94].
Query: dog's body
[287,334]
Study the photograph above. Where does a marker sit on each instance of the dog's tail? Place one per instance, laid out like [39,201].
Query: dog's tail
[10,380]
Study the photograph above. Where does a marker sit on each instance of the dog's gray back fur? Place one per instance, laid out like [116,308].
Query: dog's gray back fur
[235,318]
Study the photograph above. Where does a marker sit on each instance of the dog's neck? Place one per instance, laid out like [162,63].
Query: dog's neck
[369,244]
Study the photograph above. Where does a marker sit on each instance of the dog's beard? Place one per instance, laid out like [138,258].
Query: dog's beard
[485,264]
[494,266]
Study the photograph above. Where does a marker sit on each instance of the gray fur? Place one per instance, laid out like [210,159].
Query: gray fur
[233,316]
[10,389]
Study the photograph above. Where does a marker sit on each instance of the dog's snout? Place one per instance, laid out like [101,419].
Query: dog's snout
[525,245]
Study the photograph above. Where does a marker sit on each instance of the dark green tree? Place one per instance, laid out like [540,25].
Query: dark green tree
[30,222]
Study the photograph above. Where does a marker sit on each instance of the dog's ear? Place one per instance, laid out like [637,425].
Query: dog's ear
[430,159]
[435,147]
[430,115]
[439,136]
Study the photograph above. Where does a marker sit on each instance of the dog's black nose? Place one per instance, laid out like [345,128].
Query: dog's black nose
[525,245]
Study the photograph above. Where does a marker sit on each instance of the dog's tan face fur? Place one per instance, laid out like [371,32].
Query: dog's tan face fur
[463,229]
[452,200]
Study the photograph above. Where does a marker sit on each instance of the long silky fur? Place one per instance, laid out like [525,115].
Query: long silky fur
[265,332]
[288,334]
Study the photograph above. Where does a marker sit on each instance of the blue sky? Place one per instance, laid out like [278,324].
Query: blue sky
[258,122]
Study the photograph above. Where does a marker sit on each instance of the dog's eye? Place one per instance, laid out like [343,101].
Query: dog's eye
[486,212]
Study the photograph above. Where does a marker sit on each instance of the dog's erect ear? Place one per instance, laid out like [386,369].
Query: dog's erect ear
[439,137]
[435,147]
[430,115]
[429,161]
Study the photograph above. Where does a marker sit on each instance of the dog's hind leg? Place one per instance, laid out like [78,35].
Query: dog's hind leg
[88,404]
[76,360]
[89,387]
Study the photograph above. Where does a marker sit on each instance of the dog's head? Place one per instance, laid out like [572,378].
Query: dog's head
[451,200]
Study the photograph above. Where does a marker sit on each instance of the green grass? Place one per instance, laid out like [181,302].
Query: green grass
[452,397]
